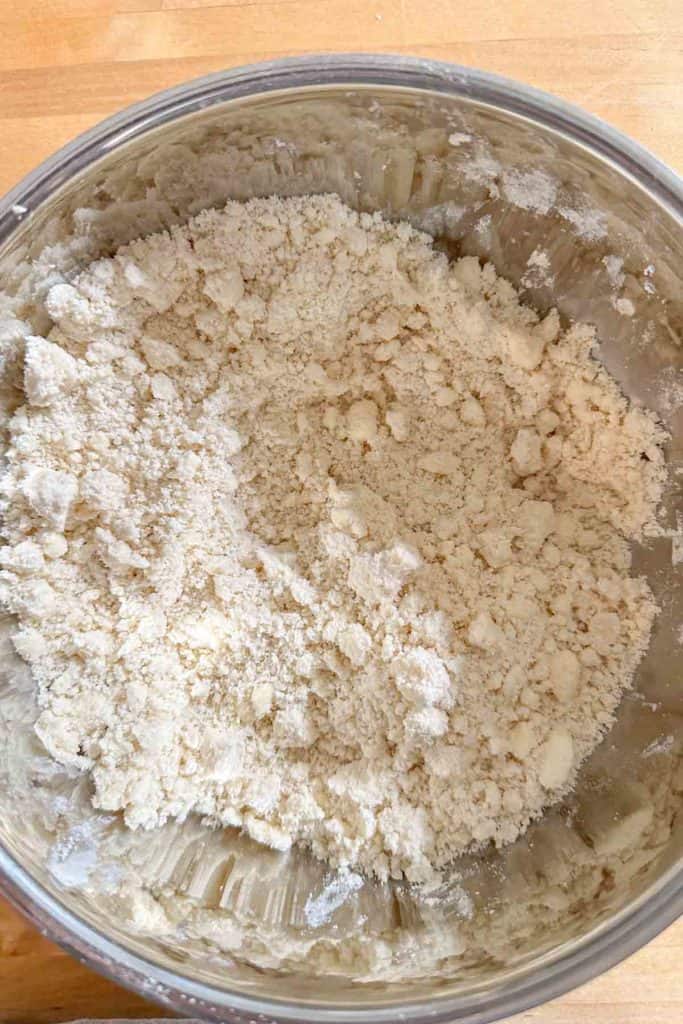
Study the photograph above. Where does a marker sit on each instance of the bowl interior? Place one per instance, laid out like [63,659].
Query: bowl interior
[212,907]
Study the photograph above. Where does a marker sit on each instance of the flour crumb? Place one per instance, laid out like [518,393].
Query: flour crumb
[312,533]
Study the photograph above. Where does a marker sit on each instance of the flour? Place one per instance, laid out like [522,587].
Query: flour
[538,273]
[530,190]
[73,858]
[313,533]
[319,908]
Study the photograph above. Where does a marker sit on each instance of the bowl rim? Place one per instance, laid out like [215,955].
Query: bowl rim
[607,943]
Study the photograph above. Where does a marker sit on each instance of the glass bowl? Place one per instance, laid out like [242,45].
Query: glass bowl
[211,925]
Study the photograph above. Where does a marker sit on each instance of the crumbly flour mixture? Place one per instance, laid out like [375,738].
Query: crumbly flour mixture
[312,532]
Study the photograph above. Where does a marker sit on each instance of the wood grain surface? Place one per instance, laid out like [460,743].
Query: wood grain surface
[65,64]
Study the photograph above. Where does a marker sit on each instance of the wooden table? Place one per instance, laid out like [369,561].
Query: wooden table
[65,64]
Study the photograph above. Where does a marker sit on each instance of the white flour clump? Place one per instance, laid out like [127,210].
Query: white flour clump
[314,533]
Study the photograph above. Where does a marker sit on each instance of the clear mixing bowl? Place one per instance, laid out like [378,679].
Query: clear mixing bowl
[211,924]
